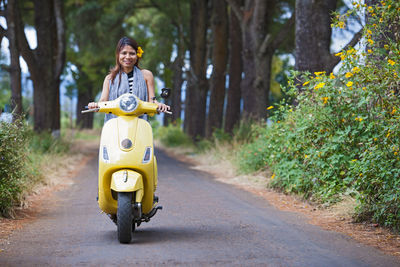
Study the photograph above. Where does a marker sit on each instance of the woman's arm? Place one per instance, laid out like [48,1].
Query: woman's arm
[104,93]
[149,78]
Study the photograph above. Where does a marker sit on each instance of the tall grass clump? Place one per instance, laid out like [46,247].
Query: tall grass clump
[343,136]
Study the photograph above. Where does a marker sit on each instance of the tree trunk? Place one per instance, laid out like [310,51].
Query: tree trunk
[84,121]
[232,113]
[313,35]
[177,81]
[259,45]
[15,69]
[46,62]
[197,83]
[219,59]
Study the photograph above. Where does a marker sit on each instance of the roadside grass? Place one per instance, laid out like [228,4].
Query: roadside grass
[31,161]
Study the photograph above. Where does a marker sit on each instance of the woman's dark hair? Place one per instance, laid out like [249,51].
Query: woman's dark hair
[121,43]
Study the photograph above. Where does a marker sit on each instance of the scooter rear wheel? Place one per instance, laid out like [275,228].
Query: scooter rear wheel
[124,217]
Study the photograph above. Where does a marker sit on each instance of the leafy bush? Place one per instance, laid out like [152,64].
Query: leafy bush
[173,136]
[21,153]
[13,169]
[342,137]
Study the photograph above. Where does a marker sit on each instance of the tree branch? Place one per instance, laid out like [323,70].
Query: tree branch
[273,43]
[282,34]
[23,45]
[236,9]
[334,59]
[3,32]
[60,57]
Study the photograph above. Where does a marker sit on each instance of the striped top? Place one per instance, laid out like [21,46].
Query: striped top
[130,81]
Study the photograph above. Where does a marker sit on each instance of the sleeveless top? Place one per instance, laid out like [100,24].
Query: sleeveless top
[117,88]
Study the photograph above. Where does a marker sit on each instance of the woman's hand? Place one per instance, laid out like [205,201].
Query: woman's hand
[162,107]
[93,105]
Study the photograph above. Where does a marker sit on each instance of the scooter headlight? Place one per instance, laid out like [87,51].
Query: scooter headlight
[128,103]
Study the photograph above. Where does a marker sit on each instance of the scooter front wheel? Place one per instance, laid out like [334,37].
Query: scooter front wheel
[124,217]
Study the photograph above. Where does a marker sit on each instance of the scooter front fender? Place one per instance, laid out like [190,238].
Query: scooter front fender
[128,181]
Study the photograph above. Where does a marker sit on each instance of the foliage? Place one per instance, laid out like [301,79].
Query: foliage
[173,136]
[21,151]
[342,137]
[13,163]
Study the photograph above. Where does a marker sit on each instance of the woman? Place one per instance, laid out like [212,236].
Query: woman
[127,77]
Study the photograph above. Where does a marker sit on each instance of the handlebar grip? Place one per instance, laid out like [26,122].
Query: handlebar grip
[90,110]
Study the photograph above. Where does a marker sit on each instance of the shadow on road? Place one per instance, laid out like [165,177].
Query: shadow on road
[167,234]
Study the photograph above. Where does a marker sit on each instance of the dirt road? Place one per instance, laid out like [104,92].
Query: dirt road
[203,223]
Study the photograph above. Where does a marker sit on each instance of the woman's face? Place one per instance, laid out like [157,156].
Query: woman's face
[127,58]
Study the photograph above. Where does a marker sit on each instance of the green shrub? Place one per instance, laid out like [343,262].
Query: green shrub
[13,169]
[21,152]
[342,137]
[173,136]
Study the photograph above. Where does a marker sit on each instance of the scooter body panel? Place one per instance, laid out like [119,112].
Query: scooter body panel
[128,181]
[114,156]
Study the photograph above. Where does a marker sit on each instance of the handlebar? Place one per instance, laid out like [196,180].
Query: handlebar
[97,109]
[90,110]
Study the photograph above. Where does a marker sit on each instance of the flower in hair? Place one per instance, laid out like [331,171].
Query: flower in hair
[139,52]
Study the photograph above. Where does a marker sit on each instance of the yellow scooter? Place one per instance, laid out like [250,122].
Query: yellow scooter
[127,165]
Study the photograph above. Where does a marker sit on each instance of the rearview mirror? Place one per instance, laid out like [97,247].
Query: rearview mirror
[165,93]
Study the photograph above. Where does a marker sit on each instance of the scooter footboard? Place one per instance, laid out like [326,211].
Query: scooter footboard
[128,181]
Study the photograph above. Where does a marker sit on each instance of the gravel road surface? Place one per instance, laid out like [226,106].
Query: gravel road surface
[203,223]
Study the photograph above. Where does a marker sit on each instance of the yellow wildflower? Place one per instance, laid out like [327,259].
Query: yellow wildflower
[388,134]
[386,47]
[339,54]
[364,88]
[318,86]
[370,41]
[319,73]
[331,76]
[393,110]
[369,51]
[391,62]
[369,32]
[307,82]
[273,176]
[349,84]
[139,52]
[351,51]
[270,107]
[348,74]
[356,70]
[341,24]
